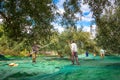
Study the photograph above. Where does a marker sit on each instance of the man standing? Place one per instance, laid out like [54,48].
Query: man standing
[35,49]
[102,53]
[87,53]
[74,52]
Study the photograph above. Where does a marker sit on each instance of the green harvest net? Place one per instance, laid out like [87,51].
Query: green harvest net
[54,68]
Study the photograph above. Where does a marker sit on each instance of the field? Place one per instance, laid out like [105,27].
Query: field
[55,68]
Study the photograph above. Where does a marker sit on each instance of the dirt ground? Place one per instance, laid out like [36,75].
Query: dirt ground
[54,68]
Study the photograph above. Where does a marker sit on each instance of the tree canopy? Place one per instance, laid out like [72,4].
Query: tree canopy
[106,15]
[22,16]
[30,20]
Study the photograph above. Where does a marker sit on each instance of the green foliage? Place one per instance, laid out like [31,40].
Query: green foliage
[1,31]
[61,42]
[15,21]
[108,23]
[21,16]
[97,6]
[14,32]
[9,47]
[24,53]
[109,32]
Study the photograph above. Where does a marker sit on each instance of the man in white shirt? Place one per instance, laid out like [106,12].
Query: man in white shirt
[74,52]
[102,53]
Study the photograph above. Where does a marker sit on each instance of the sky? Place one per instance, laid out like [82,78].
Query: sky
[85,21]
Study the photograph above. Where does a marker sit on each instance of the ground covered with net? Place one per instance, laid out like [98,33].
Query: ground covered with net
[55,68]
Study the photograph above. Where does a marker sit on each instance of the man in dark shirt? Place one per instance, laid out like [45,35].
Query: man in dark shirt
[35,49]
